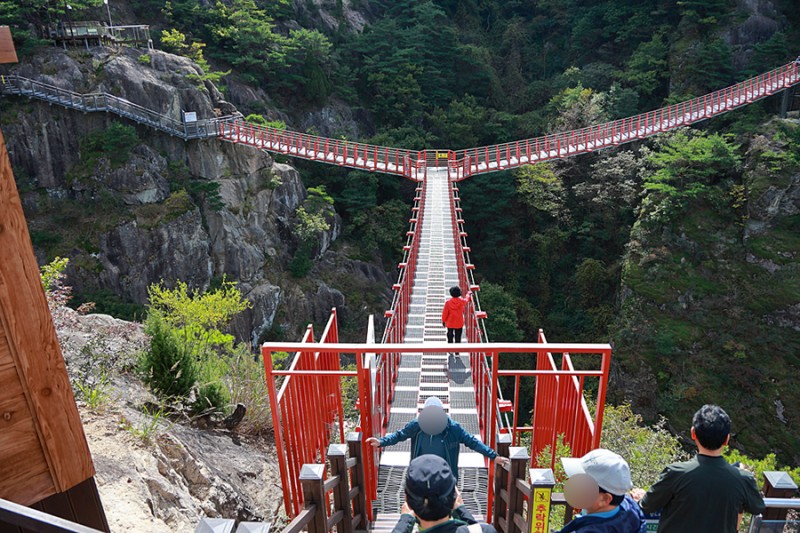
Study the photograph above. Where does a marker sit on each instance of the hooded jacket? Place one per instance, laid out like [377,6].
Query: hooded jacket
[453,312]
[450,439]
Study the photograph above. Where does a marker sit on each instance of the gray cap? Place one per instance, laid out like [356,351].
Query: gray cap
[432,419]
[609,470]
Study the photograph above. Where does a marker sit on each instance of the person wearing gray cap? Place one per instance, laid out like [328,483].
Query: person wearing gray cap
[433,501]
[434,432]
[598,484]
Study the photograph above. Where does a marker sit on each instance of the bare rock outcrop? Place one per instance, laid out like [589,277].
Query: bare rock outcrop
[167,209]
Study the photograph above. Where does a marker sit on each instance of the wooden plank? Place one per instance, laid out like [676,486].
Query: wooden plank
[7,52]
[85,501]
[58,505]
[33,344]
[5,351]
[22,462]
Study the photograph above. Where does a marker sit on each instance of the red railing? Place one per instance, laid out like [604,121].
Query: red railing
[307,409]
[485,159]
[465,163]
[407,163]
[474,327]
[560,406]
[397,315]
[558,409]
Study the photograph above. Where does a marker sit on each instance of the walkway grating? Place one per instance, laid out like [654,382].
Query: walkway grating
[425,375]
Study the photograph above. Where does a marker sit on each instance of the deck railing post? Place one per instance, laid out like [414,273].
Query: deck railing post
[501,482]
[516,498]
[337,454]
[312,479]
[360,500]
[778,485]
[542,483]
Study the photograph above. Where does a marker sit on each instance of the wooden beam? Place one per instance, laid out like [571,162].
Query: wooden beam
[8,53]
[32,343]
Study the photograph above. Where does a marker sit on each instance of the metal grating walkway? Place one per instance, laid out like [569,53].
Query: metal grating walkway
[423,374]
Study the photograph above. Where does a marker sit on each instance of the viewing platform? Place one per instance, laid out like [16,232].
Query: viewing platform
[94,33]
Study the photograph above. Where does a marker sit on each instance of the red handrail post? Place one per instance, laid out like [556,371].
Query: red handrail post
[276,423]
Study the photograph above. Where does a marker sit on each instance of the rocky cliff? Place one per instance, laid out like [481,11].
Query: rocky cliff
[709,303]
[133,210]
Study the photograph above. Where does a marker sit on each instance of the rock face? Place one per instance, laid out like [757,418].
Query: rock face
[155,473]
[710,301]
[164,209]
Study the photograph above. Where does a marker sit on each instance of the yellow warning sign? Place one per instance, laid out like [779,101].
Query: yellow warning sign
[541,510]
[442,155]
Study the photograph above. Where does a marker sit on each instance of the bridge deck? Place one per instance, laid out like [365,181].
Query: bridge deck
[426,374]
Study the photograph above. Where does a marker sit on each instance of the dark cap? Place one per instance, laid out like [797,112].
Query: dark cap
[429,475]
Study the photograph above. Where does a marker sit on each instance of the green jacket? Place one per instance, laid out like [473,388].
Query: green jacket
[704,494]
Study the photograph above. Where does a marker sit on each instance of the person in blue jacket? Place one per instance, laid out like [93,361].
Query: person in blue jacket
[598,484]
[434,432]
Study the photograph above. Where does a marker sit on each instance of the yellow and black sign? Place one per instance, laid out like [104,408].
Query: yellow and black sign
[442,155]
[541,510]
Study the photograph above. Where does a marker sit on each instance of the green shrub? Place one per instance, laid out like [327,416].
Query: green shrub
[145,59]
[647,449]
[168,368]
[211,397]
[301,263]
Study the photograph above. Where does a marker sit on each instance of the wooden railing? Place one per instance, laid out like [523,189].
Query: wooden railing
[349,497]
[523,497]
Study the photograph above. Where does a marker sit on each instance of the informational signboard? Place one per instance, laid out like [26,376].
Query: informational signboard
[652,521]
[189,116]
[541,510]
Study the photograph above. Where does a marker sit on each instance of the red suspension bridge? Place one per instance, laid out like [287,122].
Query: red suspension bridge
[398,370]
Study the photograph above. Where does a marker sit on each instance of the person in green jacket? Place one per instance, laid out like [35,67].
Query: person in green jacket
[706,493]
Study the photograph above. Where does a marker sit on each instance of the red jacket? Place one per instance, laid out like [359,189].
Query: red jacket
[453,312]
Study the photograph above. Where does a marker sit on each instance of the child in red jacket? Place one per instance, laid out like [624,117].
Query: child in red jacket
[453,314]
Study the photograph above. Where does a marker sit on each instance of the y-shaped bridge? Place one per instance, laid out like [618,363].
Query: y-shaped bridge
[412,164]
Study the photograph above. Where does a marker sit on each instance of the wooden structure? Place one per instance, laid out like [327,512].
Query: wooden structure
[349,497]
[44,457]
[7,52]
[95,33]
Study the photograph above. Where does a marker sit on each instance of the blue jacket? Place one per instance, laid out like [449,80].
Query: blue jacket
[452,437]
[629,519]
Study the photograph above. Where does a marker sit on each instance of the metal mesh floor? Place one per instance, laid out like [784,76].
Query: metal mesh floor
[436,271]
[472,482]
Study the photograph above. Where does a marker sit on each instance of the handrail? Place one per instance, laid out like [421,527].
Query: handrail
[348,512]
[413,164]
[101,101]
[307,407]
[513,154]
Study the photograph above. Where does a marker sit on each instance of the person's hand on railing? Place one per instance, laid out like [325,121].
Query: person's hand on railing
[502,461]
[372,441]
